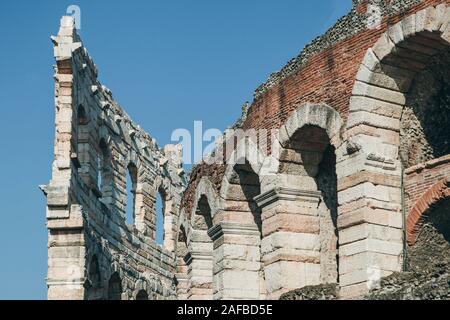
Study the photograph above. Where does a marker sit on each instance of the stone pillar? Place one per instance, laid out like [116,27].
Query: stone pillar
[66,254]
[369,216]
[237,263]
[200,266]
[182,279]
[291,246]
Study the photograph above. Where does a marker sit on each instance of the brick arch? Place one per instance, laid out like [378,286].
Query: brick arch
[418,214]
[319,115]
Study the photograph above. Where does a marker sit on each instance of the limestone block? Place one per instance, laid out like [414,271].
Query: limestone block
[371,245]
[372,119]
[356,291]
[288,254]
[370,60]
[395,33]
[239,252]
[291,275]
[369,231]
[370,191]
[240,265]
[383,47]
[433,19]
[291,223]
[290,240]
[409,25]
[293,181]
[371,91]
[377,79]
[444,15]
[369,261]
[370,215]
[361,276]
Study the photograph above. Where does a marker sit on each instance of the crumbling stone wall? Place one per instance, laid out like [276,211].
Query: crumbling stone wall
[425,135]
[322,217]
[428,270]
[372,79]
[93,252]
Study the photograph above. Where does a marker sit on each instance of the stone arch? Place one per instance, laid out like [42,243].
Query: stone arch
[200,244]
[131,187]
[162,188]
[237,227]
[182,255]
[94,277]
[86,165]
[206,189]
[142,295]
[300,204]
[418,214]
[246,151]
[105,171]
[370,182]
[386,75]
[142,290]
[115,288]
[317,115]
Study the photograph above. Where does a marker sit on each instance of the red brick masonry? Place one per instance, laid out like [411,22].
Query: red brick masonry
[426,185]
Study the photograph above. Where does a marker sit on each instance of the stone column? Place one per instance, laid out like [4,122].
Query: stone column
[183,279]
[291,246]
[237,263]
[200,266]
[369,215]
[66,254]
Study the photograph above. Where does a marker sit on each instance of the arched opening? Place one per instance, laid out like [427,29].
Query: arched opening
[200,260]
[115,287]
[400,94]
[203,219]
[131,183]
[94,272]
[86,169]
[425,118]
[104,177]
[240,232]
[182,269]
[82,118]
[308,163]
[250,186]
[94,290]
[431,251]
[160,217]
[142,295]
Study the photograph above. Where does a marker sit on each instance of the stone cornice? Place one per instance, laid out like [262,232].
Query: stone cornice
[232,228]
[288,194]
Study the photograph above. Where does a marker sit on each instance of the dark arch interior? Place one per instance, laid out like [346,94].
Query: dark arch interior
[431,252]
[310,154]
[420,67]
[203,220]
[250,184]
[115,287]
[142,295]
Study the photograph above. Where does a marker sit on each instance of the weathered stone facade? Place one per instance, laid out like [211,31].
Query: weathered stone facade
[354,186]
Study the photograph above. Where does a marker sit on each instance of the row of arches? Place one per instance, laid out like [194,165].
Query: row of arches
[328,207]
[112,289]
[102,173]
[267,217]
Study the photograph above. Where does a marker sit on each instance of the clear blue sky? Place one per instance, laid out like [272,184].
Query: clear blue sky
[168,63]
